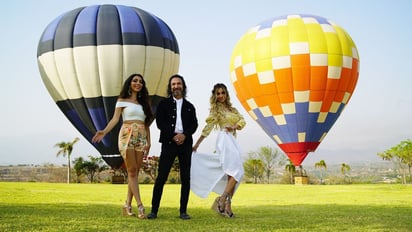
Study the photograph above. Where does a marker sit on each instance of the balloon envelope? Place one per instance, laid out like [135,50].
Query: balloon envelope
[86,54]
[294,75]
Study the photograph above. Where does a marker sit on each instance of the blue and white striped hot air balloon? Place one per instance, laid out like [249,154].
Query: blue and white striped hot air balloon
[85,55]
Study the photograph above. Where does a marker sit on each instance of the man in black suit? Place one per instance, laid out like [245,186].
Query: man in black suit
[177,122]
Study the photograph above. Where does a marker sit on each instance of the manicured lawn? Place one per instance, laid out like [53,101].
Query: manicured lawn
[97,207]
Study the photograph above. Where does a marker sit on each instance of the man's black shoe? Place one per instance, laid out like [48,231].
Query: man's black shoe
[184,216]
[152,215]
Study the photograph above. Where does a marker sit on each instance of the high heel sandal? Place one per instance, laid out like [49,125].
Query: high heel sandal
[141,209]
[218,205]
[228,208]
[127,210]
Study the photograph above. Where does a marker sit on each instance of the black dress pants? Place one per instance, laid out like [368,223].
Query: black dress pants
[167,156]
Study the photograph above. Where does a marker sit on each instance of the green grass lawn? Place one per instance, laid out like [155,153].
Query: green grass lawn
[98,207]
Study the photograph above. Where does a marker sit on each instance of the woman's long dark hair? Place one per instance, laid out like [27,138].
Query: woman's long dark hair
[142,97]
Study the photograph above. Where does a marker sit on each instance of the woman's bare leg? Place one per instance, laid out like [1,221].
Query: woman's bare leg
[134,160]
[230,185]
[129,197]
[226,198]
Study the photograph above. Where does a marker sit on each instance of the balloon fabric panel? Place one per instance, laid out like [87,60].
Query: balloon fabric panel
[300,72]
[84,26]
[354,76]
[108,28]
[296,91]
[279,36]
[52,84]
[87,71]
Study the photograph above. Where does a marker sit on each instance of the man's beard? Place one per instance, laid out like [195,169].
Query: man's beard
[177,93]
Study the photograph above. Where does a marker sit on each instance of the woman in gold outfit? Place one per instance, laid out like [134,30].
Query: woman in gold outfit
[222,171]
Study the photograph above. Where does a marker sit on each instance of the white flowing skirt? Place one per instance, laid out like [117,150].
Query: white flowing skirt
[209,171]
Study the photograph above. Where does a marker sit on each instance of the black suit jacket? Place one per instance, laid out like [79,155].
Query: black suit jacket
[166,120]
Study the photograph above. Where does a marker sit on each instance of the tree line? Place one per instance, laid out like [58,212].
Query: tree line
[261,166]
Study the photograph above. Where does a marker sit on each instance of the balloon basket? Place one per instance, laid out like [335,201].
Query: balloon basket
[118,179]
[301,180]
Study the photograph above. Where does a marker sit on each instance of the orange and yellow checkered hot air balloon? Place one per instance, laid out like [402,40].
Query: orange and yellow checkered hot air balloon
[294,75]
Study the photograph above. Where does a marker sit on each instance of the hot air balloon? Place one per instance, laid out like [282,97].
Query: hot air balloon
[294,75]
[85,55]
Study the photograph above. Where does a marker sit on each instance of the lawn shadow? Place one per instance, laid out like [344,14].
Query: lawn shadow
[305,217]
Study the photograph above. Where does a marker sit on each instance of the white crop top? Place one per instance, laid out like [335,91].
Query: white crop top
[131,111]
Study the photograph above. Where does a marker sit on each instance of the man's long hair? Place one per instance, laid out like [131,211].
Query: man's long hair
[169,86]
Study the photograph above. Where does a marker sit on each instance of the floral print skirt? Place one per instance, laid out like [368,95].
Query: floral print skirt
[132,136]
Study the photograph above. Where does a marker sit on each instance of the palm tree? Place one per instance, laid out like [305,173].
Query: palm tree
[344,169]
[321,165]
[66,148]
[254,168]
[291,169]
[78,168]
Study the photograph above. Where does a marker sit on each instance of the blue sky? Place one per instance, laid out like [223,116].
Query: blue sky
[377,117]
